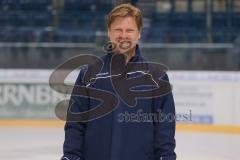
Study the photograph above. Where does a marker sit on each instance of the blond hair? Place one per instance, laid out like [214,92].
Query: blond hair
[125,10]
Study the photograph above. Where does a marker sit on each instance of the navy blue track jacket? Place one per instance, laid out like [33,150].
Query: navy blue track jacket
[115,137]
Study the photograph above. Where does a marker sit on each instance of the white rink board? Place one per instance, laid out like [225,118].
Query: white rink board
[212,97]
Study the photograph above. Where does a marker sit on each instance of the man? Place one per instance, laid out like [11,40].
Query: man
[124,133]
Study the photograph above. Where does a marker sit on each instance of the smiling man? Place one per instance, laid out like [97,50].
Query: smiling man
[124,133]
[124,29]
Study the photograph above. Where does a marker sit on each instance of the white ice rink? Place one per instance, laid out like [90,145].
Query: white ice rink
[46,144]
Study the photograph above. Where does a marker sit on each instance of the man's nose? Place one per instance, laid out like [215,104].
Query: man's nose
[124,35]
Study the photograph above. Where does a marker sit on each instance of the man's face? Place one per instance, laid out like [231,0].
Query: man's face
[124,32]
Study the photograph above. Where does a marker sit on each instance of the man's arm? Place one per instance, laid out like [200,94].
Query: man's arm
[75,131]
[164,129]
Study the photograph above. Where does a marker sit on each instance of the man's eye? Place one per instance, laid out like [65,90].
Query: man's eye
[130,31]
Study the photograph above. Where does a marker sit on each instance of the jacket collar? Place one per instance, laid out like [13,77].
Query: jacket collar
[137,57]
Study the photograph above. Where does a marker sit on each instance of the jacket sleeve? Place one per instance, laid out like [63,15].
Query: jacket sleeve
[164,128]
[74,131]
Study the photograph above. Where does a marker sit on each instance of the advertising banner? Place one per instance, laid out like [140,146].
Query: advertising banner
[206,97]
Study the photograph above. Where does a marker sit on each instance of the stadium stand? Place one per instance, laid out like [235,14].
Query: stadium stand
[172,24]
[75,21]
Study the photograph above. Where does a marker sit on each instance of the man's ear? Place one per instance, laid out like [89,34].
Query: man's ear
[139,34]
[108,34]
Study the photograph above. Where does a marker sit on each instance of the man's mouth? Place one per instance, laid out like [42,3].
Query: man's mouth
[124,45]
